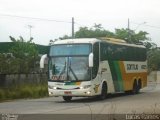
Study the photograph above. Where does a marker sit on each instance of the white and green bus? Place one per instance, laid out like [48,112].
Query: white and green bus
[95,67]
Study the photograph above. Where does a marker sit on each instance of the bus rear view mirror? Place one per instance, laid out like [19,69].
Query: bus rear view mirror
[91,60]
[42,60]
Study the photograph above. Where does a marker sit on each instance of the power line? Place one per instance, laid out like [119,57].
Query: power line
[33,18]
[52,20]
[153,26]
[146,25]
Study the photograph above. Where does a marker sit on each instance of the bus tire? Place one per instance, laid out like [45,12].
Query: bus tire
[103,91]
[139,85]
[135,89]
[67,98]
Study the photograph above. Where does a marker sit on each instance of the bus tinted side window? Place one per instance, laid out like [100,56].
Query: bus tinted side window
[96,59]
[103,49]
[142,54]
[118,52]
[135,54]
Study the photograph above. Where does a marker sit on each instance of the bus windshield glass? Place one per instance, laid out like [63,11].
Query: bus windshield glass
[70,49]
[69,69]
[69,62]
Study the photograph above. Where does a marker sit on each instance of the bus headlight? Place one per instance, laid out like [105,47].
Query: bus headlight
[54,88]
[89,92]
[85,87]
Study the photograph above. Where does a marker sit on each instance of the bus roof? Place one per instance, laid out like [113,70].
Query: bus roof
[77,40]
[93,40]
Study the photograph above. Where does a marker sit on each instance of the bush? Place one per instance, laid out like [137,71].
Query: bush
[24,91]
[2,94]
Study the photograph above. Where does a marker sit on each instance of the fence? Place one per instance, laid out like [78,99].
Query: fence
[21,79]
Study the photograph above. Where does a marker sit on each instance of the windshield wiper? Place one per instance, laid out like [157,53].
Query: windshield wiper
[69,66]
[73,72]
[62,71]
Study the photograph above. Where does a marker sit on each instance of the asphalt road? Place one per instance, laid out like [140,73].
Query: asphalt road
[148,102]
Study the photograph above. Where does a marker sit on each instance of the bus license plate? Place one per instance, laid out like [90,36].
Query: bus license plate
[68,92]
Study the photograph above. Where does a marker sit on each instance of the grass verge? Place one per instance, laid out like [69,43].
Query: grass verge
[24,91]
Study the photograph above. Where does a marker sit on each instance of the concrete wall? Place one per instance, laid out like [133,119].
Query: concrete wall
[154,76]
[20,79]
[158,76]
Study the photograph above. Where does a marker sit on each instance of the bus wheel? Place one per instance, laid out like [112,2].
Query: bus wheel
[139,85]
[104,91]
[135,89]
[67,98]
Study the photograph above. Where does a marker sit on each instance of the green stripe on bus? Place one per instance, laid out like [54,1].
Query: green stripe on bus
[119,75]
[114,75]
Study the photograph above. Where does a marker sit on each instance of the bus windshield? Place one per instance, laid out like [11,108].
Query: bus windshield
[69,62]
[69,69]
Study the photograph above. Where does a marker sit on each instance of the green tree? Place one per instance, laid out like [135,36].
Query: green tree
[3,64]
[23,48]
[131,36]
[25,55]
[154,59]
[65,37]
[96,31]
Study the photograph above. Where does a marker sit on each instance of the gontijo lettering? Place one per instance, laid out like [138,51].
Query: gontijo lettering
[132,66]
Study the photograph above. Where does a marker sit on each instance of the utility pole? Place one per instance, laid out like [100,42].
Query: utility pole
[129,34]
[30,27]
[72,27]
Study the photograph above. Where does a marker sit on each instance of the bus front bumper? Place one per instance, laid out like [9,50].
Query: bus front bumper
[74,93]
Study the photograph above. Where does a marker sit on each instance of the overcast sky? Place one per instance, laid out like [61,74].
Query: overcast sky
[110,13]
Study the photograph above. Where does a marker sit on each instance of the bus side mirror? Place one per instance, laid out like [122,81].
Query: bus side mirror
[42,61]
[91,60]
